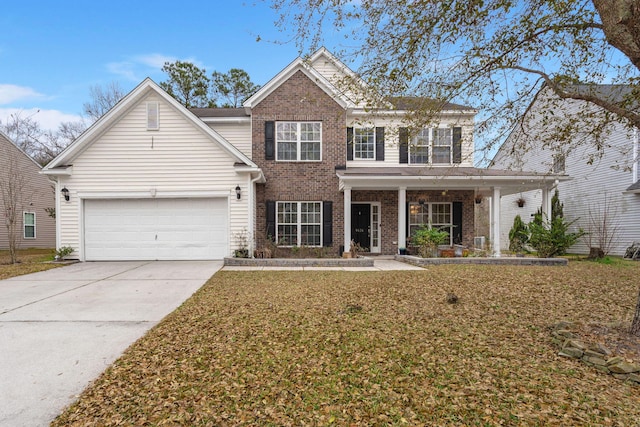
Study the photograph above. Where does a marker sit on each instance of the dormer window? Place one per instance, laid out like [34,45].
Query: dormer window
[153,116]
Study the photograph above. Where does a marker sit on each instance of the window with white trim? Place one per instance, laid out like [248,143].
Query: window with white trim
[431,145]
[558,163]
[299,223]
[439,215]
[364,143]
[29,222]
[442,141]
[298,141]
[419,148]
[153,115]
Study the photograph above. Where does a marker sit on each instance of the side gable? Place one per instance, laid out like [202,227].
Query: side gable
[146,89]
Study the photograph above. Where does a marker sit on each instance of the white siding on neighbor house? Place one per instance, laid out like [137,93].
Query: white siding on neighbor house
[584,196]
[129,161]
[391,139]
[238,134]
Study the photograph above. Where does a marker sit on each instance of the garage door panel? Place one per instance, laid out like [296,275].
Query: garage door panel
[150,229]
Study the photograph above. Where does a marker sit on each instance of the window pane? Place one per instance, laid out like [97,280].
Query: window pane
[364,143]
[310,150]
[441,154]
[29,218]
[441,214]
[442,137]
[298,140]
[419,154]
[310,235]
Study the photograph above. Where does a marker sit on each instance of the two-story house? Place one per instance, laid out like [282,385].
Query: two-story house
[603,196]
[305,162]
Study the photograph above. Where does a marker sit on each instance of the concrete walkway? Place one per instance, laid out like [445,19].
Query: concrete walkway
[59,329]
[380,263]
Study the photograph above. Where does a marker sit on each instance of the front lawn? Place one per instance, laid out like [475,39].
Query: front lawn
[374,348]
[29,261]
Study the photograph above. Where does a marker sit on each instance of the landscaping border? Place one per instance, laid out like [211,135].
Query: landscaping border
[299,262]
[420,262]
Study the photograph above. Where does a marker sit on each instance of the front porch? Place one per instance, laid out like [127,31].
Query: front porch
[383,206]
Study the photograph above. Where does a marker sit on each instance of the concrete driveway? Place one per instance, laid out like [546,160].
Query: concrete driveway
[59,329]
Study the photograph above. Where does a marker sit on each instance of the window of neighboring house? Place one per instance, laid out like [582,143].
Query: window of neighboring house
[442,140]
[439,215]
[419,147]
[558,163]
[29,221]
[298,141]
[153,116]
[364,143]
[299,223]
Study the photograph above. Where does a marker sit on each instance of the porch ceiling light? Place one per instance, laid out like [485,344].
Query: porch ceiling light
[238,192]
[65,193]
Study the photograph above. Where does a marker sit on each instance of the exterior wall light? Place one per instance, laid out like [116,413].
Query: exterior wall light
[65,193]
[238,192]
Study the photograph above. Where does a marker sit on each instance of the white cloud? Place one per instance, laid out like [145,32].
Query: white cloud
[154,60]
[139,66]
[10,93]
[123,69]
[48,119]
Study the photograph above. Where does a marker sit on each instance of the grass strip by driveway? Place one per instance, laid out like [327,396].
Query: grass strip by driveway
[29,261]
[380,348]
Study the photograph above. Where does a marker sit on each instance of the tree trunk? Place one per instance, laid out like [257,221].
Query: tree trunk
[635,325]
[620,25]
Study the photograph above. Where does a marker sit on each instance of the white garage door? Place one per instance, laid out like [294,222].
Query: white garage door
[155,229]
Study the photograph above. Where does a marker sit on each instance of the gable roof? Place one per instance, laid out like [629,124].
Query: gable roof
[4,139]
[304,65]
[120,109]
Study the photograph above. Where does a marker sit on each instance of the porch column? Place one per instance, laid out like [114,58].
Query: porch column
[546,204]
[495,221]
[347,219]
[402,217]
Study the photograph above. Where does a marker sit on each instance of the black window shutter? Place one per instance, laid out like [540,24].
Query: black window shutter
[457,145]
[271,220]
[349,143]
[327,223]
[404,145]
[457,223]
[379,144]
[269,140]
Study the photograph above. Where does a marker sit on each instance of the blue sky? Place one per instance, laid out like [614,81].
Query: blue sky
[52,52]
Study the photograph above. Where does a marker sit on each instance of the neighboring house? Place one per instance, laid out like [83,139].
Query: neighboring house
[24,189]
[604,190]
[303,163]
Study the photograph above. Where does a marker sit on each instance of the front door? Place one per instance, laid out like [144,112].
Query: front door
[361,225]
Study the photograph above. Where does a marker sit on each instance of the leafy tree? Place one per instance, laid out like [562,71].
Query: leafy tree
[102,99]
[234,86]
[552,238]
[557,207]
[494,55]
[188,84]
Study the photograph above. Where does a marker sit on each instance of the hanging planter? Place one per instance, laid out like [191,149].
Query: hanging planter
[478,200]
[520,202]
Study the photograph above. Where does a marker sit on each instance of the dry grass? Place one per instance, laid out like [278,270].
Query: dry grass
[29,261]
[384,348]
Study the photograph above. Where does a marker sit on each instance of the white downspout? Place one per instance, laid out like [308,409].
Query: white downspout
[636,150]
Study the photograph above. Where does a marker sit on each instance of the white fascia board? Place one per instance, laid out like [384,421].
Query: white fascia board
[402,113]
[59,171]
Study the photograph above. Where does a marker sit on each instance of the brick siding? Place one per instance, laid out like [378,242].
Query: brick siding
[300,99]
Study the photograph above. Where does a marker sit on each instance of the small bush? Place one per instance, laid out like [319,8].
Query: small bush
[518,235]
[428,239]
[62,252]
[553,239]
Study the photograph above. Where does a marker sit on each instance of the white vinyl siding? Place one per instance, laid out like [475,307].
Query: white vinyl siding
[179,161]
[584,195]
[238,134]
[392,142]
